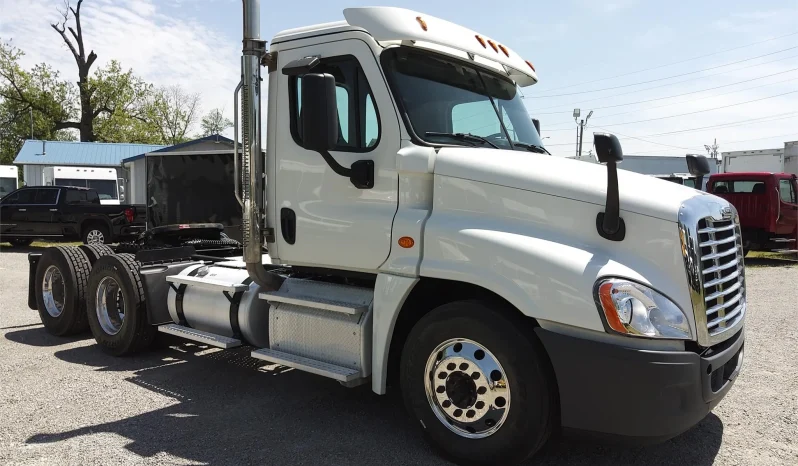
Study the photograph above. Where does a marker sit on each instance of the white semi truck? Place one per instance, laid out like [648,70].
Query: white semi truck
[9,179]
[782,160]
[102,179]
[407,230]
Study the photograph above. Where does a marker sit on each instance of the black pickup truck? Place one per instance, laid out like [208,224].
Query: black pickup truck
[63,213]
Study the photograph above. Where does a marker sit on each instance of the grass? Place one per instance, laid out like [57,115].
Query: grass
[37,245]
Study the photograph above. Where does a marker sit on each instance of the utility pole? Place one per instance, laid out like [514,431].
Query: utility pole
[31,122]
[580,130]
[713,150]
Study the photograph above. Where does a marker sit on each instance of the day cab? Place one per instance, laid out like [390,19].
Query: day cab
[767,205]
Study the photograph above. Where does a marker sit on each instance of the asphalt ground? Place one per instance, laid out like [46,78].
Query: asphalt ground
[63,401]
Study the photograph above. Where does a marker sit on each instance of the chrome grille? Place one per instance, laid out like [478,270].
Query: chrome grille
[722,274]
[711,240]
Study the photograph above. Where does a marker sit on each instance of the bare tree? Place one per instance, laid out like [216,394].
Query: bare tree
[174,113]
[214,122]
[84,62]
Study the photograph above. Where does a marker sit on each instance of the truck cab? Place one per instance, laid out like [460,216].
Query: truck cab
[420,238]
[767,205]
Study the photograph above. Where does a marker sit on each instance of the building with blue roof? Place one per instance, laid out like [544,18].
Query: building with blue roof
[35,155]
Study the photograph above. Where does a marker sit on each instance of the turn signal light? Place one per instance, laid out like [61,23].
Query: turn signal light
[406,242]
[493,46]
[481,41]
[421,22]
[129,214]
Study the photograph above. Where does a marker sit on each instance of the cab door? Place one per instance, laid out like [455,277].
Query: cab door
[787,222]
[42,214]
[323,220]
[14,212]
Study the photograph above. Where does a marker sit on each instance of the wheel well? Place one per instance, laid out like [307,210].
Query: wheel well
[89,223]
[430,293]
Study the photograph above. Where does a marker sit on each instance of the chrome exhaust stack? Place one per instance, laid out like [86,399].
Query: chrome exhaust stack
[251,177]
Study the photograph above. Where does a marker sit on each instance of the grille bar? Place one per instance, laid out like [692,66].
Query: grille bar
[717,268]
[724,304]
[719,254]
[726,318]
[720,280]
[716,229]
[718,242]
[725,292]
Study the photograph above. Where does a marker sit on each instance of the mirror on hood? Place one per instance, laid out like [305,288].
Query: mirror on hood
[698,166]
[609,223]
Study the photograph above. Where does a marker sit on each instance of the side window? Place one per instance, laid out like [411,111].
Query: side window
[720,187]
[786,191]
[75,197]
[358,119]
[46,196]
[11,199]
[26,196]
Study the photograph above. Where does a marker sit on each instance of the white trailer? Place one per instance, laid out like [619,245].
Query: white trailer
[420,238]
[783,160]
[9,179]
[103,180]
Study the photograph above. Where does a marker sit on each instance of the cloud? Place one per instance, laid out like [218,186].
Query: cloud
[162,48]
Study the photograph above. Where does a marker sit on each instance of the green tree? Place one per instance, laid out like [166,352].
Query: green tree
[174,111]
[214,122]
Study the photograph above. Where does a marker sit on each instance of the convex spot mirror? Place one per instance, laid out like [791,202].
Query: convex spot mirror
[608,148]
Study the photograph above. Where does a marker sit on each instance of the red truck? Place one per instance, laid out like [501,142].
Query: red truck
[767,205]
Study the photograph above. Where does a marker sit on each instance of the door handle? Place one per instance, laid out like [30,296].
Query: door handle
[23,210]
[53,210]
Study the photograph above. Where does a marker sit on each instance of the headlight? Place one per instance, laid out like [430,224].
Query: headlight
[633,309]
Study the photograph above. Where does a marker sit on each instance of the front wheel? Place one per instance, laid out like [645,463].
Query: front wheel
[478,384]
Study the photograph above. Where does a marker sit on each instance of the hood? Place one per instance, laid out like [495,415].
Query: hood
[561,177]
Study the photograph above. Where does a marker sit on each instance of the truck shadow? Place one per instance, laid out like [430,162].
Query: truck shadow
[232,409]
[769,262]
[38,336]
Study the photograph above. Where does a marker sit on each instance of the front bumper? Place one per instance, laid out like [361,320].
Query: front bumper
[639,396]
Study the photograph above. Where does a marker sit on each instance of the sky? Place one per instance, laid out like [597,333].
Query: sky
[666,77]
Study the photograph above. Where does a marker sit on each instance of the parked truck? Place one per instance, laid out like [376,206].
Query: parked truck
[9,179]
[407,230]
[66,213]
[104,180]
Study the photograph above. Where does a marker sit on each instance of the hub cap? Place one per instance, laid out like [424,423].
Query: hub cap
[53,291]
[467,388]
[110,306]
[95,237]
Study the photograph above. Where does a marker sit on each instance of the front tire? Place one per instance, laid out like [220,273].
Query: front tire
[478,384]
[116,308]
[61,279]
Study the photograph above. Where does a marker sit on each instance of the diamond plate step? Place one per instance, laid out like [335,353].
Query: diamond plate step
[188,333]
[204,283]
[341,374]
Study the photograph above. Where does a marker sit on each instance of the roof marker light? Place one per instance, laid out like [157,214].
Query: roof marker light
[421,22]
[481,41]
[531,66]
[493,46]
[504,50]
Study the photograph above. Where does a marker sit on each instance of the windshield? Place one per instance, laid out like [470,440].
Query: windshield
[7,185]
[106,189]
[442,95]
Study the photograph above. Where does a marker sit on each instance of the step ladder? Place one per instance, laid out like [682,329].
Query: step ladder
[199,336]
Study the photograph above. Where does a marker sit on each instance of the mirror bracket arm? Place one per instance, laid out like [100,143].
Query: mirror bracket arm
[360,174]
[609,223]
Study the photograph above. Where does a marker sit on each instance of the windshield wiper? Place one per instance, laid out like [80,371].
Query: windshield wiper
[531,147]
[463,137]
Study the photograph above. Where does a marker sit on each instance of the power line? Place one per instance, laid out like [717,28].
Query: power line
[683,102]
[661,79]
[674,63]
[582,102]
[702,111]
[766,119]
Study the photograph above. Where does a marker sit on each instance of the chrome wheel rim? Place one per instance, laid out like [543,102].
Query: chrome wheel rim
[110,306]
[95,237]
[467,388]
[53,291]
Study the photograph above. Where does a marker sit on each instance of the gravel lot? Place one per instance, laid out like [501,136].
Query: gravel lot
[63,401]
